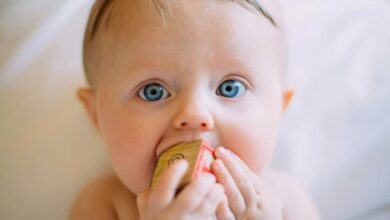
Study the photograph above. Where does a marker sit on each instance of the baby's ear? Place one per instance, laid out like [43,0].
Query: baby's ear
[288,93]
[87,97]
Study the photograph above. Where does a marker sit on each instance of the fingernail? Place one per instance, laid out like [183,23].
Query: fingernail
[228,152]
[220,150]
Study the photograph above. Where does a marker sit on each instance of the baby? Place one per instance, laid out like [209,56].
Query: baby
[162,72]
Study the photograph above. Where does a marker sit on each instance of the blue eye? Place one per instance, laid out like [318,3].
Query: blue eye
[153,92]
[231,89]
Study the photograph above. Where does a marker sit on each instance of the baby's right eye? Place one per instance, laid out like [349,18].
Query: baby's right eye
[153,92]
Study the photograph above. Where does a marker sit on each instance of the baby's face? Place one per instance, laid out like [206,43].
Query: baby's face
[213,72]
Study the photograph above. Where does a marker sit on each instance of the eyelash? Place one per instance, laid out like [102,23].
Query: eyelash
[159,91]
[234,92]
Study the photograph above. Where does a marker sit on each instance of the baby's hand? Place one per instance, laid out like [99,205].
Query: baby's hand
[246,195]
[198,200]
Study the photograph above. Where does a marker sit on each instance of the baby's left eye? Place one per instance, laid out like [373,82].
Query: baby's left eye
[231,88]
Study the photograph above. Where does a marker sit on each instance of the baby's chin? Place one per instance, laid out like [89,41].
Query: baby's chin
[134,182]
[137,187]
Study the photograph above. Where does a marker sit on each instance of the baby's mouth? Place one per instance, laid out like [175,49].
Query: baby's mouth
[161,150]
[166,143]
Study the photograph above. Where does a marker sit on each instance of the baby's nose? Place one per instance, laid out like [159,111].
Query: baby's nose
[194,125]
[194,117]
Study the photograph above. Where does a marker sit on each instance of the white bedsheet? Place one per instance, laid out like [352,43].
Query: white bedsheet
[337,132]
[335,138]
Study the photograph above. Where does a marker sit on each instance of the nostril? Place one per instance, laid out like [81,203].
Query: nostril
[203,125]
[183,124]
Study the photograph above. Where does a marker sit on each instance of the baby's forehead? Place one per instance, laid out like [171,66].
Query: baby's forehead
[102,11]
[113,23]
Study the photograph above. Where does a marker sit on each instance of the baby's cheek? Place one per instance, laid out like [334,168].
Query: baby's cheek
[131,147]
[134,168]
[257,160]
[252,146]
[256,156]
[132,156]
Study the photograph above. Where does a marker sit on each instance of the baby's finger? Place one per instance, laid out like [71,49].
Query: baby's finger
[209,204]
[235,199]
[223,211]
[164,191]
[258,185]
[194,193]
[240,176]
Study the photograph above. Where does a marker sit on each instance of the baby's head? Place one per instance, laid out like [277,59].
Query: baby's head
[164,72]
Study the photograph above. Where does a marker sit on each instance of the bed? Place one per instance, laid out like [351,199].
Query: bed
[335,137]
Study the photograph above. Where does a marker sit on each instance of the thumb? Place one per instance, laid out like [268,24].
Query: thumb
[142,199]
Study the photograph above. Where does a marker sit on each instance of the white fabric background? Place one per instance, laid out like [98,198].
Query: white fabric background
[334,139]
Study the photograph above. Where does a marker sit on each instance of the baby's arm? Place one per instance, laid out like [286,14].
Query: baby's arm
[297,205]
[105,198]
